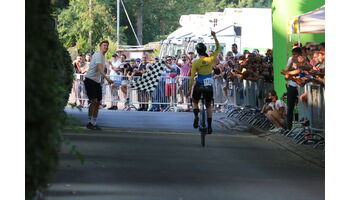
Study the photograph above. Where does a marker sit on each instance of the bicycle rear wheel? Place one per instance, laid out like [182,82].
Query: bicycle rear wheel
[203,125]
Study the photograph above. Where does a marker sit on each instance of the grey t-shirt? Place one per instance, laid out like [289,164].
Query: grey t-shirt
[93,72]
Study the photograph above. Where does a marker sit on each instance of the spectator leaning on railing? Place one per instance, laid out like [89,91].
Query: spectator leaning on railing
[292,91]
[78,86]
[185,71]
[170,86]
[306,72]
[143,96]
[115,76]
[227,67]
[125,69]
[86,63]
[219,94]
[301,70]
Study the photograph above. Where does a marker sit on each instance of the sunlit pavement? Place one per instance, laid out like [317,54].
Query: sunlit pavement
[138,160]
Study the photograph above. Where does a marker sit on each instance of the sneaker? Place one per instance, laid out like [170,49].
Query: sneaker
[97,127]
[210,130]
[150,109]
[195,122]
[89,126]
[305,123]
[111,108]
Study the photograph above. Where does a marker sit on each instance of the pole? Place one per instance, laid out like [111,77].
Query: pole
[118,21]
[90,31]
[132,28]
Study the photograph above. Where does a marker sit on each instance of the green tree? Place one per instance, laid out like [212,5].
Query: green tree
[49,75]
[74,24]
[161,17]
[254,4]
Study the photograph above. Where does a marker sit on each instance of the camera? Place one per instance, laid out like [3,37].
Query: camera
[267,100]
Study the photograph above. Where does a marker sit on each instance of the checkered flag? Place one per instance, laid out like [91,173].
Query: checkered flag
[149,80]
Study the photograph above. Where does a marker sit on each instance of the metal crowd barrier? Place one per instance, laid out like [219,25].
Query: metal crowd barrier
[247,93]
[304,112]
[170,93]
[316,104]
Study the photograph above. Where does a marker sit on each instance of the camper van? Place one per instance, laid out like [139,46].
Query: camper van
[249,28]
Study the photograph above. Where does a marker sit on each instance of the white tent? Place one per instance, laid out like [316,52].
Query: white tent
[311,22]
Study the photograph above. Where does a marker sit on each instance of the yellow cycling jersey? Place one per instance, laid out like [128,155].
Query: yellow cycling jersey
[204,66]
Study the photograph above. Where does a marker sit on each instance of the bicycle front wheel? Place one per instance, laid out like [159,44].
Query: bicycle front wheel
[203,139]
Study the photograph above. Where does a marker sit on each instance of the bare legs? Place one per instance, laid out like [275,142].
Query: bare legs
[275,118]
[303,99]
[93,108]
[209,114]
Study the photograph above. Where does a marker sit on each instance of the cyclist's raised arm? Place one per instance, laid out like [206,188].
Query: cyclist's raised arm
[217,46]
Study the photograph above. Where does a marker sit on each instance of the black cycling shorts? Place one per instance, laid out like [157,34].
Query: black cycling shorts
[93,89]
[200,89]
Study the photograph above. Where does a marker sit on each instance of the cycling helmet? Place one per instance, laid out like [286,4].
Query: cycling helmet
[201,48]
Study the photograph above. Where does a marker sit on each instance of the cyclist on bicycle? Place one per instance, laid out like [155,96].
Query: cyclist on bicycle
[203,66]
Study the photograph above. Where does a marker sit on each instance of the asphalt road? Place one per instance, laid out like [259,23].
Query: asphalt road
[133,160]
[155,121]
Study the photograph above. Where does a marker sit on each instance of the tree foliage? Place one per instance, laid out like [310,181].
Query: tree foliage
[160,18]
[49,75]
[74,24]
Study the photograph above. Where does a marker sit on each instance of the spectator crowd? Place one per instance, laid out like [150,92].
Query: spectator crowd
[307,64]
[246,65]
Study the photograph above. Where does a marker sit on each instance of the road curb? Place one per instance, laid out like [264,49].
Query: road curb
[313,156]
[306,152]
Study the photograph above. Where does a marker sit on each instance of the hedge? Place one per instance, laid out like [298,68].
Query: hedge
[49,75]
